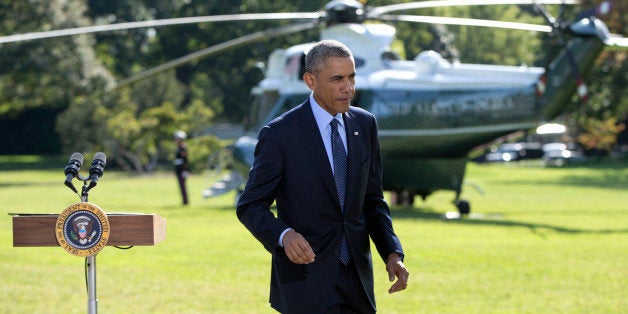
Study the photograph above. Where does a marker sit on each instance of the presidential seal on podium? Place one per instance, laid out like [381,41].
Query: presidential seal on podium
[82,229]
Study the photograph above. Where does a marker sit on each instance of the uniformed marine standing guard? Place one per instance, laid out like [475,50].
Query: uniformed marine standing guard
[181,166]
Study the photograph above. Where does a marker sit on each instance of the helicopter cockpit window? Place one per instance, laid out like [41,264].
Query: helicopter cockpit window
[290,101]
[270,105]
[260,107]
[357,97]
[302,67]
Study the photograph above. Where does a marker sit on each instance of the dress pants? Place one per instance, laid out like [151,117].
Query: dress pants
[348,296]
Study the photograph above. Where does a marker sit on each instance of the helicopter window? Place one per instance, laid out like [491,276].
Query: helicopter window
[295,64]
[260,107]
[359,62]
[355,101]
[389,55]
[290,101]
[302,67]
[272,106]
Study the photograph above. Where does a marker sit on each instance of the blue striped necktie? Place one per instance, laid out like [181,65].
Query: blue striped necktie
[340,177]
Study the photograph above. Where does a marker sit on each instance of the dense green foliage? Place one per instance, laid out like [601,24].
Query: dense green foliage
[73,75]
[45,73]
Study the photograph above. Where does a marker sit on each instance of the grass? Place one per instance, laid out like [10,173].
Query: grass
[541,240]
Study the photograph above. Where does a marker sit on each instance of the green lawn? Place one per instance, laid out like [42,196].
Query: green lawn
[540,240]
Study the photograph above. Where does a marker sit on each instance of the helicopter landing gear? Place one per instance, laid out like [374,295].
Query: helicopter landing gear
[464,208]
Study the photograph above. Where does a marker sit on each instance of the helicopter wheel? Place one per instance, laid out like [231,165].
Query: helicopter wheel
[464,208]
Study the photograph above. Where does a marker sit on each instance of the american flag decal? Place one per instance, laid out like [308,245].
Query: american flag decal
[292,64]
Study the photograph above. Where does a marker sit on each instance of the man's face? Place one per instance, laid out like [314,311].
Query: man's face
[334,85]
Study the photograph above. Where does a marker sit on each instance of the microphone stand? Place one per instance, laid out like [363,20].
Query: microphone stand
[98,165]
[90,261]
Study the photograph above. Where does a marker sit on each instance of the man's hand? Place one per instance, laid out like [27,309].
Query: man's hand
[395,268]
[297,248]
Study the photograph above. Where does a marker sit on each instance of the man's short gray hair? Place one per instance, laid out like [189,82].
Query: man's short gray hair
[316,57]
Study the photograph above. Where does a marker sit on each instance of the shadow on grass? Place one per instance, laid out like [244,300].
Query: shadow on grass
[609,179]
[413,213]
[32,162]
[607,175]
[419,213]
[32,184]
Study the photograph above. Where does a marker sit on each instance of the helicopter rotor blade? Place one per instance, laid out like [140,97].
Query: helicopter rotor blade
[467,22]
[265,34]
[157,23]
[377,11]
[616,43]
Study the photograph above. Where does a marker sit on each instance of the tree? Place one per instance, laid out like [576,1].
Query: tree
[228,76]
[132,125]
[39,78]
[600,135]
[45,73]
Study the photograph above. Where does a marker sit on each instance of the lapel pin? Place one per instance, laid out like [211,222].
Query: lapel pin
[355,133]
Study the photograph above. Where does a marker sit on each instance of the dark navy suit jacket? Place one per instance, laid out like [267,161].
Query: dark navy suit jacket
[291,168]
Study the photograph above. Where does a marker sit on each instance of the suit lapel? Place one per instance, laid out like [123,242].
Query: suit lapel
[313,144]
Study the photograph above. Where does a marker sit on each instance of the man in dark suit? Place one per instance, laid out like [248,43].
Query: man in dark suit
[320,162]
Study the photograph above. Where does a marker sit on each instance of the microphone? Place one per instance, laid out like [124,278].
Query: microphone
[72,169]
[97,168]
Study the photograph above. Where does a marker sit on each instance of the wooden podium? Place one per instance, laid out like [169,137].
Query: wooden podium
[126,229]
[33,230]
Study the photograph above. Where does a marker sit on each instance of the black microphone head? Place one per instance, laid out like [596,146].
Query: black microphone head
[74,165]
[98,164]
[101,156]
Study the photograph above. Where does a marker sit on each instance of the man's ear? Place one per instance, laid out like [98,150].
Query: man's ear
[309,80]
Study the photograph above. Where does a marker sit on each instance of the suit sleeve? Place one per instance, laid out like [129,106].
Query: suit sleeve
[375,207]
[253,208]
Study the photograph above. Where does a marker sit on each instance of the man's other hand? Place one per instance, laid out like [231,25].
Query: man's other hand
[297,248]
[395,268]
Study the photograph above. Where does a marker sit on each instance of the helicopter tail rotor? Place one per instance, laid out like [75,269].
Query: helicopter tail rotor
[584,25]
[577,45]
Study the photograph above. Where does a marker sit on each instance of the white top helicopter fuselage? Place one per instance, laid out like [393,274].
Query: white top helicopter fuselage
[370,44]
[378,68]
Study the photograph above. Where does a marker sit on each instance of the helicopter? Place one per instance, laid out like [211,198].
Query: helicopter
[431,112]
